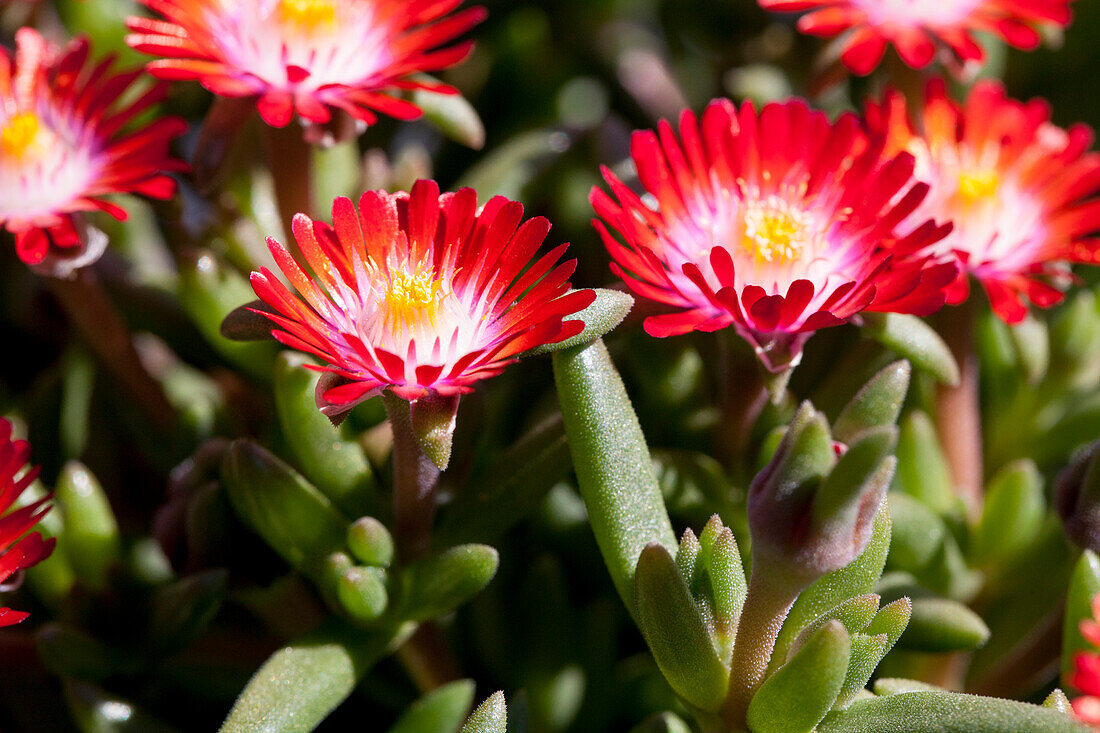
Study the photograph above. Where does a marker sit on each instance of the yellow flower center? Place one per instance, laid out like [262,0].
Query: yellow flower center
[307,15]
[978,185]
[773,236]
[19,134]
[412,298]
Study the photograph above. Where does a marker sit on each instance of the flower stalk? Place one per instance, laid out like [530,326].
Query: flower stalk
[958,414]
[415,480]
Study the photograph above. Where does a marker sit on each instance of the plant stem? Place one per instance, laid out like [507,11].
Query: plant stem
[290,159]
[415,479]
[743,396]
[958,414]
[769,599]
[107,335]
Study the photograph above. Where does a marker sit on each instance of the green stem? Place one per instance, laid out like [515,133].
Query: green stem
[415,480]
[958,414]
[769,599]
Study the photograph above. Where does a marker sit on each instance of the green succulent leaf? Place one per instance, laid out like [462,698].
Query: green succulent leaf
[677,636]
[877,404]
[947,712]
[1058,700]
[854,614]
[91,539]
[923,472]
[69,652]
[452,114]
[913,339]
[886,686]
[182,610]
[801,692]
[438,585]
[490,716]
[442,710]
[942,625]
[1012,515]
[1084,585]
[918,534]
[612,463]
[95,710]
[1032,341]
[273,499]
[335,465]
[867,651]
[370,542]
[600,318]
[300,684]
[662,723]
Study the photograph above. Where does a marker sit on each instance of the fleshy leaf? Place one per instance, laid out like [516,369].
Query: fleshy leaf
[1012,515]
[452,114]
[877,404]
[676,635]
[942,625]
[600,318]
[490,716]
[803,690]
[91,539]
[612,462]
[913,339]
[370,542]
[442,710]
[1083,587]
[437,585]
[923,472]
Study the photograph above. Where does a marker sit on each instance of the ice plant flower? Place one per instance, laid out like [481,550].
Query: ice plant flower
[19,547]
[65,143]
[1022,192]
[418,293]
[776,224]
[1086,670]
[307,56]
[918,28]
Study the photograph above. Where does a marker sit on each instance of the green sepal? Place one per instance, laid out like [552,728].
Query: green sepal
[370,542]
[184,609]
[676,634]
[612,463]
[923,472]
[1084,585]
[91,539]
[801,692]
[877,404]
[855,579]
[913,339]
[943,625]
[451,113]
[490,716]
[865,470]
[243,323]
[1012,515]
[433,424]
[335,465]
[300,684]
[519,480]
[277,503]
[925,711]
[438,585]
[1058,700]
[600,318]
[442,710]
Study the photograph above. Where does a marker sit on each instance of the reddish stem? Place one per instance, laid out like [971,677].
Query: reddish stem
[958,414]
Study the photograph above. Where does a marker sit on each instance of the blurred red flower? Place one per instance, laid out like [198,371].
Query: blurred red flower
[307,56]
[777,224]
[419,293]
[918,28]
[19,548]
[66,142]
[1021,191]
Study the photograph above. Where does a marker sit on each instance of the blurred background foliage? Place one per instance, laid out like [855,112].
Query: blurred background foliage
[559,85]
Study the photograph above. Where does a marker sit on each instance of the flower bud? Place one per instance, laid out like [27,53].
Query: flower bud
[811,512]
[1077,498]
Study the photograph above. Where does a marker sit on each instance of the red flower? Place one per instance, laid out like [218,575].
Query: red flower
[777,224]
[1021,191]
[917,28]
[18,549]
[1086,670]
[64,144]
[419,293]
[307,56]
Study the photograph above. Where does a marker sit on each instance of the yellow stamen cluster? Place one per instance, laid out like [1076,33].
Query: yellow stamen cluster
[411,298]
[307,15]
[978,185]
[19,134]
[773,236]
